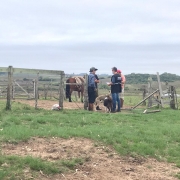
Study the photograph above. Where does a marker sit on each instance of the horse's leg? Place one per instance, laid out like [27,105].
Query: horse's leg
[70,100]
[82,96]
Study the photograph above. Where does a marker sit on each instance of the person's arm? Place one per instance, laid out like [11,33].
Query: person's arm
[123,79]
[96,79]
[112,81]
[93,79]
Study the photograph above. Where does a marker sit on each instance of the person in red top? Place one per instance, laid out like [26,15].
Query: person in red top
[123,81]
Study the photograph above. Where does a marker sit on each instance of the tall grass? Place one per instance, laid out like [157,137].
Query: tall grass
[149,135]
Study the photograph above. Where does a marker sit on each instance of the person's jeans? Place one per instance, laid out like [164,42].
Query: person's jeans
[116,99]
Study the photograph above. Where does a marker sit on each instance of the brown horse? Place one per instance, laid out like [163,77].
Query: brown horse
[79,87]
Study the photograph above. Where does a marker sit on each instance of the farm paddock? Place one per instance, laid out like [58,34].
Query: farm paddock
[100,162]
[78,144]
[47,104]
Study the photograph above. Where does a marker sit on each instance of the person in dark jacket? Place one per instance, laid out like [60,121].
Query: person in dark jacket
[92,88]
[115,89]
[97,94]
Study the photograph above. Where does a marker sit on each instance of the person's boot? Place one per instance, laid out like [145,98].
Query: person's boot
[89,108]
[113,111]
[97,108]
[92,107]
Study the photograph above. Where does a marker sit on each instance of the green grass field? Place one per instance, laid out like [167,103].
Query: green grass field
[129,133]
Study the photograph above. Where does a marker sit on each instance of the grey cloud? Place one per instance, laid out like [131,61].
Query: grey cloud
[61,21]
[137,36]
[78,58]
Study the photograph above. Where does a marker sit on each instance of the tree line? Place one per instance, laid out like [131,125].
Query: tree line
[143,78]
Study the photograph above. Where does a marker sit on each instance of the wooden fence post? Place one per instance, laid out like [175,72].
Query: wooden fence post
[64,94]
[145,99]
[9,88]
[51,89]
[144,95]
[61,90]
[13,90]
[34,87]
[150,91]
[27,90]
[172,102]
[36,91]
[160,90]
[86,93]
[45,97]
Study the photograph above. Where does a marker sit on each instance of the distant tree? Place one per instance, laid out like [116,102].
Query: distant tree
[143,78]
[126,88]
[25,79]
[45,79]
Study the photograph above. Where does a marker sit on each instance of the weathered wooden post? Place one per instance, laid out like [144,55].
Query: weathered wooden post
[172,102]
[51,89]
[150,91]
[160,90]
[64,94]
[86,93]
[9,88]
[34,87]
[36,91]
[27,89]
[144,95]
[61,89]
[44,91]
[145,99]
[13,90]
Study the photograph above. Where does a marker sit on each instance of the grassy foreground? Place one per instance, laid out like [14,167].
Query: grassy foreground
[152,135]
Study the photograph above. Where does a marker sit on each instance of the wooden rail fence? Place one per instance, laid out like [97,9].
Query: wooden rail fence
[10,91]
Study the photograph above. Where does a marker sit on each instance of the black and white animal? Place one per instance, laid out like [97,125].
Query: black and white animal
[100,99]
[108,103]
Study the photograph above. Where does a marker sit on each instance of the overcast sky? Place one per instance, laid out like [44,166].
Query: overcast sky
[141,36]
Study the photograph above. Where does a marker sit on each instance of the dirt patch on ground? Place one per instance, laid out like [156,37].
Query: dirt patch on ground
[47,104]
[102,162]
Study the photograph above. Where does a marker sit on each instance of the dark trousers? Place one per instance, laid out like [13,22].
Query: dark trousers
[91,95]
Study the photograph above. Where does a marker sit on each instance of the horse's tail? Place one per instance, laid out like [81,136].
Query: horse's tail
[67,89]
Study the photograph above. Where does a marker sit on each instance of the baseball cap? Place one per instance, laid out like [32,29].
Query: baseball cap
[119,71]
[93,69]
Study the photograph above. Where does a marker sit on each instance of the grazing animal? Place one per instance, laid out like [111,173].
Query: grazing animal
[79,87]
[108,104]
[56,107]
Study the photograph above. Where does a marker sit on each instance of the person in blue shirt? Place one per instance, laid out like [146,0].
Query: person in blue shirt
[92,88]
[115,89]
